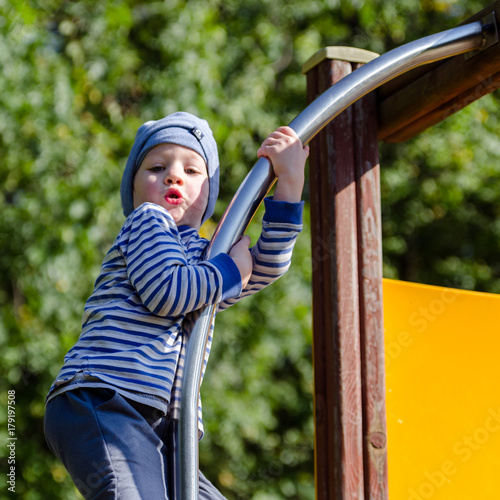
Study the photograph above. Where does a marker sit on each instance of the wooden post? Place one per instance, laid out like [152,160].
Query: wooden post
[350,432]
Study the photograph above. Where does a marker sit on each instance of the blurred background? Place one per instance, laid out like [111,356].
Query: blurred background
[77,78]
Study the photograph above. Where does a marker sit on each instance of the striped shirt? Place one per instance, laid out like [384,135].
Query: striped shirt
[137,321]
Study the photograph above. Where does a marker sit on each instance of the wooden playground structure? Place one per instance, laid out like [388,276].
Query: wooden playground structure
[392,398]
[413,413]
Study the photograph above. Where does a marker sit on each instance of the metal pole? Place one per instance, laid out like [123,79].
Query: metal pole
[260,180]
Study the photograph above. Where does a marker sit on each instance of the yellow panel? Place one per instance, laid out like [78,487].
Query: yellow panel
[442,349]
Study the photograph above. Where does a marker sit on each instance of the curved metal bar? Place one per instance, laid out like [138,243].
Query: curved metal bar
[260,180]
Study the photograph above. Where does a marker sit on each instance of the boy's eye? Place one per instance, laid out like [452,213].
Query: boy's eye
[156,168]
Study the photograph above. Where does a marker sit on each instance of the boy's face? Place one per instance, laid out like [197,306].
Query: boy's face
[174,177]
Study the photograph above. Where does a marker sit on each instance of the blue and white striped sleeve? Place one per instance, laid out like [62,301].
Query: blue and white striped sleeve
[159,271]
[281,224]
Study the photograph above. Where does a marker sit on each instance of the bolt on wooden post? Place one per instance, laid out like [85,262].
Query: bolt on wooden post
[349,375]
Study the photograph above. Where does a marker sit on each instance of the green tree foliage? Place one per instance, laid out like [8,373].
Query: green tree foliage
[78,78]
[442,202]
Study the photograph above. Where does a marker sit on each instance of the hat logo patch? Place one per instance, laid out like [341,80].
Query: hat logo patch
[197,133]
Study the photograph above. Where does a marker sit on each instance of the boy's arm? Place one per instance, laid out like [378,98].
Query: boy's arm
[160,272]
[271,256]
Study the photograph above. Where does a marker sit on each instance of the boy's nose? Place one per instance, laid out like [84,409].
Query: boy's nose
[173,177]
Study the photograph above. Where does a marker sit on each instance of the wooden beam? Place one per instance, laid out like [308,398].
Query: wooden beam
[350,450]
[339,454]
[429,94]
[370,297]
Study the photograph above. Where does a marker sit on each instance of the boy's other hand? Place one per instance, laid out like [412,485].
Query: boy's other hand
[288,157]
[242,257]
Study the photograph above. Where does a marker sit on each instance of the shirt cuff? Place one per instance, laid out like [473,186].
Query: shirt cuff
[231,277]
[283,211]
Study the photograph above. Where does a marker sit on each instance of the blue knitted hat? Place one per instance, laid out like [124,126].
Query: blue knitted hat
[179,128]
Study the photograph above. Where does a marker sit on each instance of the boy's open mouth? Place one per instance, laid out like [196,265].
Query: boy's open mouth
[173,196]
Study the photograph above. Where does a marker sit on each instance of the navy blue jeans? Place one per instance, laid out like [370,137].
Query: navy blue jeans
[113,448]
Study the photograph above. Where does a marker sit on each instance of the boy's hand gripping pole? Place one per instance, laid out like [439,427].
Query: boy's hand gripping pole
[259,181]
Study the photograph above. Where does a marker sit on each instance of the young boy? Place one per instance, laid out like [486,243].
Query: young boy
[108,410]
